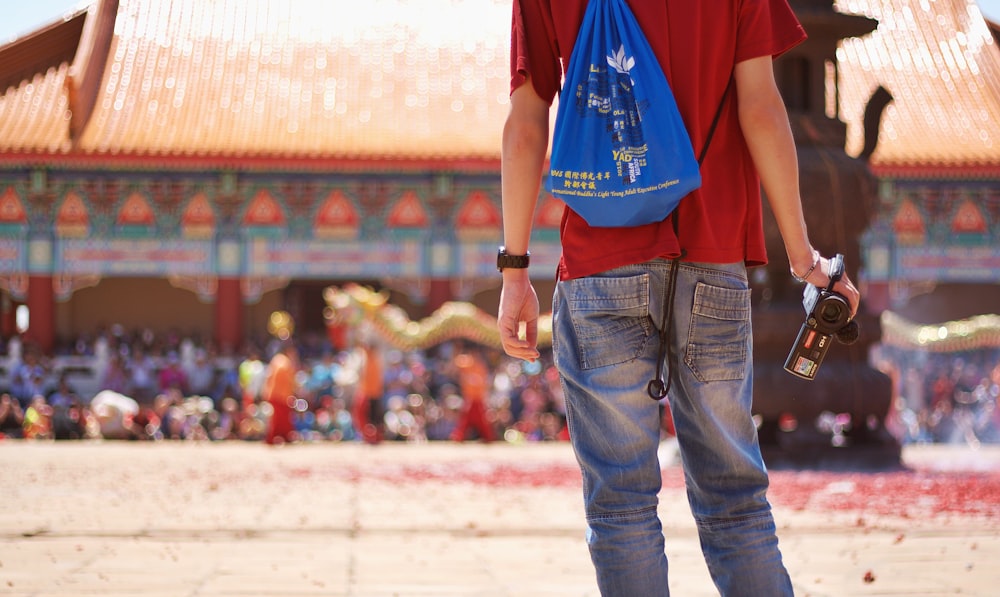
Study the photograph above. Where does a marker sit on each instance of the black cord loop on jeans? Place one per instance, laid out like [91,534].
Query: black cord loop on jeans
[657,388]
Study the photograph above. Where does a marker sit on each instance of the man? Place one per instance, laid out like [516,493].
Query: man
[369,411]
[613,284]
[473,381]
[280,390]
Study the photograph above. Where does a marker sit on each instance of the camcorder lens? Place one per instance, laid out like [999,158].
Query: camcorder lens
[833,312]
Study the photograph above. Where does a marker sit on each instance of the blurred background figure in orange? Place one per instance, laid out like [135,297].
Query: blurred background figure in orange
[368,407]
[280,390]
[474,383]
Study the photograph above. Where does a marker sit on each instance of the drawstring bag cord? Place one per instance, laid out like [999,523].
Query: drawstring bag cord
[657,388]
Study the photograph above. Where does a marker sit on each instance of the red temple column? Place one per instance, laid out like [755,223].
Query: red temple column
[439,293]
[41,312]
[229,315]
[8,315]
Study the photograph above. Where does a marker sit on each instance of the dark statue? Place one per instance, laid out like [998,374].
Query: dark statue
[838,418]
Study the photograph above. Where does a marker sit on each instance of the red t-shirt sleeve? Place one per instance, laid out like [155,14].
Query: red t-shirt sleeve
[766,28]
[534,51]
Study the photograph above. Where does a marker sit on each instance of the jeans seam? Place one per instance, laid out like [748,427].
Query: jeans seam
[713,524]
[708,272]
[704,269]
[636,514]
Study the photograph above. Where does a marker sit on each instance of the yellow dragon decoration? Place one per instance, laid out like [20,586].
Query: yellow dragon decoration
[975,333]
[353,303]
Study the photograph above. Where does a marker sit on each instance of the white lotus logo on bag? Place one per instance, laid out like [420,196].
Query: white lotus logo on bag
[621,63]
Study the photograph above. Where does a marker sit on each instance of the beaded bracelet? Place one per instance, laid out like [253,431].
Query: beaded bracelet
[802,279]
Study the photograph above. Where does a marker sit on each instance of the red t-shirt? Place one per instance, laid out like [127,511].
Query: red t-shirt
[696,43]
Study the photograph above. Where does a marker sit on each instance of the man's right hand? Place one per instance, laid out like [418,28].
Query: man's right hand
[518,304]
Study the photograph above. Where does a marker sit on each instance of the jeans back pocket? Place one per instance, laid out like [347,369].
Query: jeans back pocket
[718,339]
[610,318]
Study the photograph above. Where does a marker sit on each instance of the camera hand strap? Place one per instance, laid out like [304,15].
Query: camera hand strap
[836,271]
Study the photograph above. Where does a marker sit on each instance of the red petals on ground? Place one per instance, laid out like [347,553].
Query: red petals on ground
[905,493]
[908,494]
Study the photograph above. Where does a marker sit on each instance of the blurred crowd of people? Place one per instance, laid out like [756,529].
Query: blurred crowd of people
[170,386]
[944,397]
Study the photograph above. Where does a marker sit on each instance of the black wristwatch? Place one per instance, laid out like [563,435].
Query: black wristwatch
[505,261]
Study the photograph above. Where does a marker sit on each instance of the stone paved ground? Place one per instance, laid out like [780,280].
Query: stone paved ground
[243,519]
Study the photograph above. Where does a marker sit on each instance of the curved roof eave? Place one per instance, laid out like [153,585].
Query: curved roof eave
[941,64]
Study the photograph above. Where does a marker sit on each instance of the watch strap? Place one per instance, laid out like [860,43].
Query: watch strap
[508,261]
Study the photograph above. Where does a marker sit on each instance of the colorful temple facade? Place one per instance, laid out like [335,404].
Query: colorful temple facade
[200,164]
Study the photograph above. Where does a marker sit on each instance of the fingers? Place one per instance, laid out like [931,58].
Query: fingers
[521,349]
[519,306]
[517,346]
[531,334]
[845,287]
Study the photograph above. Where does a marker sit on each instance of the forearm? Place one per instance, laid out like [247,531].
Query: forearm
[764,122]
[525,142]
[765,127]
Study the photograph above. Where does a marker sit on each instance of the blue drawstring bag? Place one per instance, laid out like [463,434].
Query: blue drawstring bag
[620,153]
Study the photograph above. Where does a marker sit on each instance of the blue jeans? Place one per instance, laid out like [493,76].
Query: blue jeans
[605,343]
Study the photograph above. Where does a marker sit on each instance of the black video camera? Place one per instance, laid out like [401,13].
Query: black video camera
[828,314]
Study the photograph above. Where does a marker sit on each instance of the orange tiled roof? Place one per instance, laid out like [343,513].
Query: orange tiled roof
[34,115]
[320,79]
[941,64]
[288,78]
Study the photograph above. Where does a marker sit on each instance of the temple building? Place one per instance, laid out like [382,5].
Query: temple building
[932,251]
[197,165]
